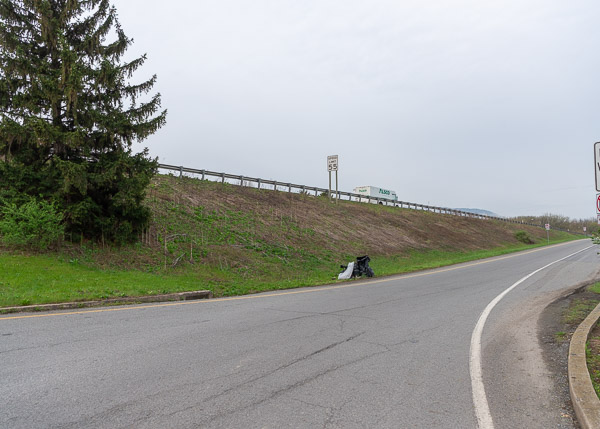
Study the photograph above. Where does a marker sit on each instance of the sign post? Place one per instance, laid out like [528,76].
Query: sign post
[548,232]
[597,164]
[332,165]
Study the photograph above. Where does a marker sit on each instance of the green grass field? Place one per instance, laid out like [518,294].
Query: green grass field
[42,279]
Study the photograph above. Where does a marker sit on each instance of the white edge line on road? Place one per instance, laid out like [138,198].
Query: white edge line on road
[480,403]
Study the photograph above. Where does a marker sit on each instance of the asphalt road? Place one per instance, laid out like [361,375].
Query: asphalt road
[387,353]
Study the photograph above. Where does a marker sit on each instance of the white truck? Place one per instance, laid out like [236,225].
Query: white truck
[374,193]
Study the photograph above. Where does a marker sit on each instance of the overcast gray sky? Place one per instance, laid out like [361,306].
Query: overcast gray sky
[489,104]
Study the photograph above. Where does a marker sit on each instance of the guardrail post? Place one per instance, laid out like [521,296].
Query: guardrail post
[202,174]
[258,183]
[241,180]
[180,171]
[222,177]
[290,188]
[275,185]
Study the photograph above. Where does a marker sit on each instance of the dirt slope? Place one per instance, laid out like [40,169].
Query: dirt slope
[236,240]
[216,214]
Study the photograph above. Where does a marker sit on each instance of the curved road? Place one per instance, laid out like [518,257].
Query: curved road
[387,353]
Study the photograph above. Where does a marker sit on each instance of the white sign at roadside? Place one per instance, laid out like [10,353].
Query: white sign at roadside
[332,163]
[548,225]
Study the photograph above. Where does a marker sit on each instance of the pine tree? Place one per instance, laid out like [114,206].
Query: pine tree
[69,116]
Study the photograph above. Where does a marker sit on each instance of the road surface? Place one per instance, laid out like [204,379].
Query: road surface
[388,353]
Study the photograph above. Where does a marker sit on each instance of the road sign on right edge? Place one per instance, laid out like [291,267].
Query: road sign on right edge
[597,164]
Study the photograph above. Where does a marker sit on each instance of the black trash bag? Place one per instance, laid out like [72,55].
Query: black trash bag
[361,267]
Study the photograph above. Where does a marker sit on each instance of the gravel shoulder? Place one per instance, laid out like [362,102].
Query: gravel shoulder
[555,348]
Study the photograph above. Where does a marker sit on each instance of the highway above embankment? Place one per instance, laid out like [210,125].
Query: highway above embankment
[422,350]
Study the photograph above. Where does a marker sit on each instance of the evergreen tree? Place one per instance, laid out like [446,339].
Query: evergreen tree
[69,116]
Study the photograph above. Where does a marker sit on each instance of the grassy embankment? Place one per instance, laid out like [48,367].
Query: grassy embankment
[235,240]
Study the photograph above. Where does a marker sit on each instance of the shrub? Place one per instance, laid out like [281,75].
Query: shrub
[524,237]
[34,223]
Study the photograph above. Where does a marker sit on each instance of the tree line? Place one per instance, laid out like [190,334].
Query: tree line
[562,222]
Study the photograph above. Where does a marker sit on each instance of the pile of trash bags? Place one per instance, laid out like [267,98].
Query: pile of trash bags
[356,269]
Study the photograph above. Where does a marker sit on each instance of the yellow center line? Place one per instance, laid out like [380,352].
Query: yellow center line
[289,292]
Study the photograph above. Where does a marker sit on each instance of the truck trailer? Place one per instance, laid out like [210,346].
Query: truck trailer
[374,193]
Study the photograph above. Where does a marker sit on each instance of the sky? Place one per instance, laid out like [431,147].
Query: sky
[489,104]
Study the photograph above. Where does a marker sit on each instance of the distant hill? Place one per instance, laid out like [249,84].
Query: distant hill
[479,212]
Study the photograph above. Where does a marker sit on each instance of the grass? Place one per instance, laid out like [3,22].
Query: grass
[595,288]
[560,337]
[42,279]
[592,352]
[236,240]
[578,310]
[435,258]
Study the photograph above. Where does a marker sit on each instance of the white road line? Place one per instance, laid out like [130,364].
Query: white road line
[480,403]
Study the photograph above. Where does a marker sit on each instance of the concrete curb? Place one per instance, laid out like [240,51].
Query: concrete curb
[181,296]
[583,396]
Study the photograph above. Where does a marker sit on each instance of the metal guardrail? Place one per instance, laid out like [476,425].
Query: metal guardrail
[294,188]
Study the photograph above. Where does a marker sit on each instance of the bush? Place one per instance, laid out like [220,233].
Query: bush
[524,237]
[34,223]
